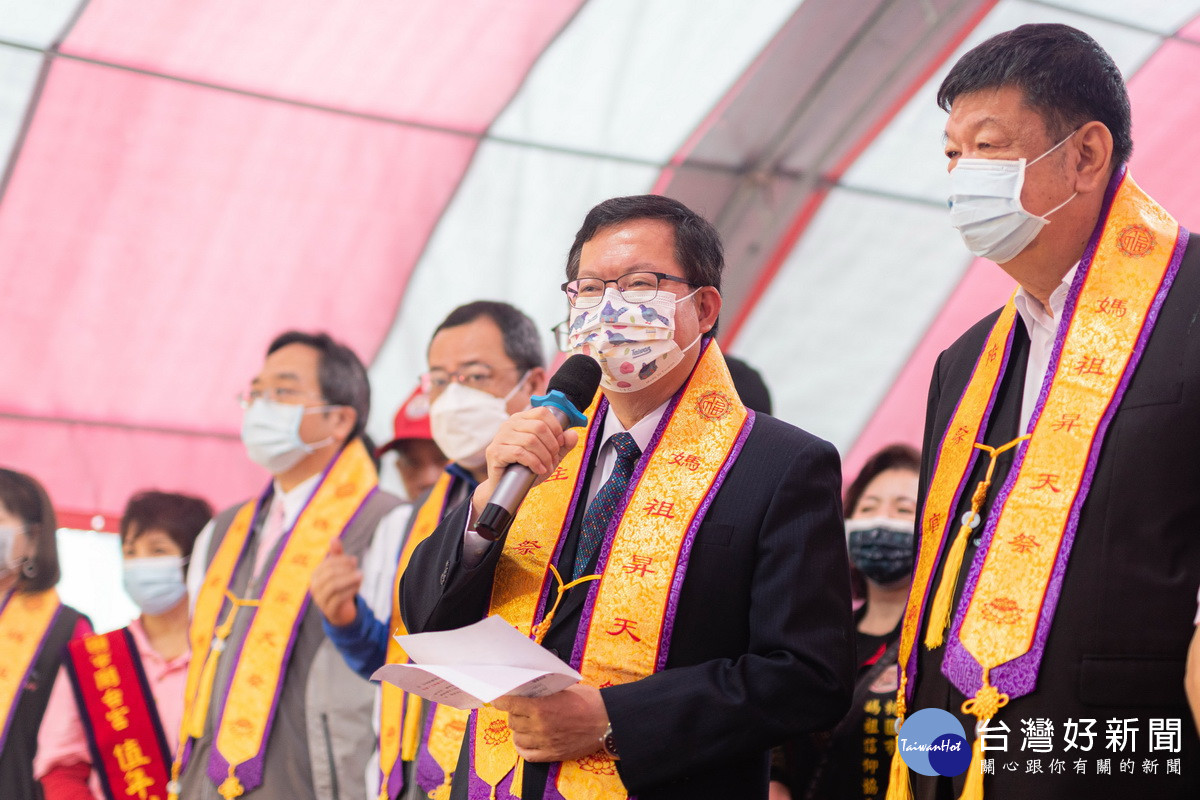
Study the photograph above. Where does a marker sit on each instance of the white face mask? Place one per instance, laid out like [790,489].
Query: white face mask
[155,584]
[271,434]
[634,342]
[985,205]
[464,421]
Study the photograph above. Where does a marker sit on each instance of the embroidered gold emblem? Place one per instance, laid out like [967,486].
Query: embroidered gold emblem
[1136,240]
[714,405]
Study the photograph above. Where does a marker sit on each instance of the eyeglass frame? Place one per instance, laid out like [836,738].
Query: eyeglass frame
[659,277]
[247,397]
[458,376]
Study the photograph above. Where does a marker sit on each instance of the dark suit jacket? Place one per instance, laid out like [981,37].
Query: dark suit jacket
[1119,638]
[762,647]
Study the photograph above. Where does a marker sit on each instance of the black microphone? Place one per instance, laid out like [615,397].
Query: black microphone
[571,388]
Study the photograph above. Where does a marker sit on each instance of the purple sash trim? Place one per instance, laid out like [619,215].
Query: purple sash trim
[689,540]
[16,701]
[952,522]
[429,773]
[1019,676]
[250,772]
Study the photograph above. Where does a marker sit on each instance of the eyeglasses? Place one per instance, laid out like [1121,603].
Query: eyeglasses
[479,377]
[276,394]
[561,331]
[635,287]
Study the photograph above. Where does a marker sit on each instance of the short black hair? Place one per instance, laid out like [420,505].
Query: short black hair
[522,344]
[894,456]
[23,497]
[1063,74]
[340,373]
[180,516]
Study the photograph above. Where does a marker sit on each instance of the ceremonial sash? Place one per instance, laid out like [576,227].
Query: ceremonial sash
[625,629]
[401,713]
[26,619]
[119,716]
[252,696]
[1007,605]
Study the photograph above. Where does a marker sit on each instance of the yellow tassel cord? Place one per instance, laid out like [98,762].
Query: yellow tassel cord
[939,611]
[410,738]
[899,787]
[518,780]
[197,712]
[984,705]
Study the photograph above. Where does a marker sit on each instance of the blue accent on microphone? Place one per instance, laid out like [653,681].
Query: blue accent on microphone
[557,399]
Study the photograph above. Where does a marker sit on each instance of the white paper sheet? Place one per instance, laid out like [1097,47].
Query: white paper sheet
[468,667]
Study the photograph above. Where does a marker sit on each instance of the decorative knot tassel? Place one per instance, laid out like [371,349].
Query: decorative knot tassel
[973,789]
[939,612]
[899,787]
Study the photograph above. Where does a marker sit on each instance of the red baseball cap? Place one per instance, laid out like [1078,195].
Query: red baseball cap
[412,421]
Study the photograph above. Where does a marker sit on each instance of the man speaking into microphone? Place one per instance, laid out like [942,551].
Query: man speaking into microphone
[683,553]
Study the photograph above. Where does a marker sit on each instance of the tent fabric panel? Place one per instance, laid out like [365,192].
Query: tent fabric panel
[428,61]
[91,470]
[849,303]
[19,70]
[633,78]
[36,23]
[138,199]
[907,158]
[505,236]
[1163,16]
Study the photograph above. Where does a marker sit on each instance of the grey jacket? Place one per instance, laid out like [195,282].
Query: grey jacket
[321,738]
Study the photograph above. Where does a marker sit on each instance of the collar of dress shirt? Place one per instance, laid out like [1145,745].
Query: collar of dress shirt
[642,431]
[293,501]
[1031,310]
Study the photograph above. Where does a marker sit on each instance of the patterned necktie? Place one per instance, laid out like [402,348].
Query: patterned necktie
[599,513]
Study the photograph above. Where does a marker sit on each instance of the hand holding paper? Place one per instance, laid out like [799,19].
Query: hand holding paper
[471,666]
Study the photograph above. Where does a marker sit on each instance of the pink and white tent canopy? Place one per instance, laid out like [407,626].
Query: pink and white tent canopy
[184,179]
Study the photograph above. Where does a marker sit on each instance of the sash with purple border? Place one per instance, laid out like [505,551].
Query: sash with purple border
[26,619]
[243,725]
[118,713]
[400,713]
[625,628]
[1007,605]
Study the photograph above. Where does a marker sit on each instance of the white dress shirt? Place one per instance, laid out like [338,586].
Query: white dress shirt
[642,431]
[1042,328]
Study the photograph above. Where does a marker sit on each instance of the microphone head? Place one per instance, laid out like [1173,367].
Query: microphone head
[578,379]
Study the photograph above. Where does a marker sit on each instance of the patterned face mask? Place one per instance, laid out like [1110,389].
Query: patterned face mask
[634,342]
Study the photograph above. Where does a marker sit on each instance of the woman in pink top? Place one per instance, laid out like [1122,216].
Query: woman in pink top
[157,533]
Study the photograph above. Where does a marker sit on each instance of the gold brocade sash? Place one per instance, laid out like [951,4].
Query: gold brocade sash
[624,630]
[1008,600]
[25,621]
[258,676]
[401,713]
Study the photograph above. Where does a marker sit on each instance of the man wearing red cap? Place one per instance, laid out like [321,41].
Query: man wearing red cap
[419,460]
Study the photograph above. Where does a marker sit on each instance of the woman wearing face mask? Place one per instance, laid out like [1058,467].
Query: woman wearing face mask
[34,626]
[852,760]
[83,742]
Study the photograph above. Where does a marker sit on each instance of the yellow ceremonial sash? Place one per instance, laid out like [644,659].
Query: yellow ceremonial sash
[258,676]
[25,621]
[624,638]
[400,715]
[1008,600]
